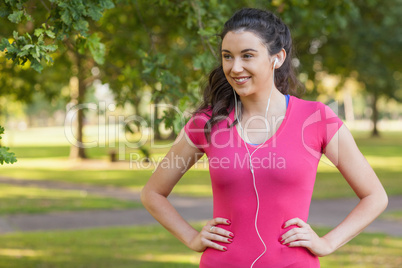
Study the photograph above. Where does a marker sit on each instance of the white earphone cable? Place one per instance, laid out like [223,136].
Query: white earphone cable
[251,165]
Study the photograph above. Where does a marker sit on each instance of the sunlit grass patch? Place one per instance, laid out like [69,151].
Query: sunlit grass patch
[366,250]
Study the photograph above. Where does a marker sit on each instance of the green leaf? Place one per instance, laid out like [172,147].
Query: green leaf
[50,48]
[5,156]
[96,48]
[65,17]
[95,12]
[37,51]
[26,47]
[81,26]
[23,53]
[38,32]
[15,35]
[4,12]
[107,4]
[36,66]
[50,34]
[4,44]
[16,16]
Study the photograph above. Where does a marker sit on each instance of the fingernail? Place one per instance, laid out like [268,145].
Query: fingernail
[230,240]
[280,239]
[225,248]
[228,221]
[287,244]
[284,225]
[231,235]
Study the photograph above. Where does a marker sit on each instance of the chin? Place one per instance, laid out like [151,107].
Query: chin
[243,92]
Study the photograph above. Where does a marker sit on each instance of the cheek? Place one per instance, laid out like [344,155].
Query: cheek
[226,70]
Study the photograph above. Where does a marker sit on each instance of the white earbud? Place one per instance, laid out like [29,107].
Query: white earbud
[276,61]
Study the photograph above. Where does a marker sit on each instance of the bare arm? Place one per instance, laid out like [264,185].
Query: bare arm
[364,182]
[344,153]
[178,160]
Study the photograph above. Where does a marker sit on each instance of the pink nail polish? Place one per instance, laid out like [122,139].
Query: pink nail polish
[225,248]
[228,221]
[280,239]
[230,240]
[283,226]
[231,235]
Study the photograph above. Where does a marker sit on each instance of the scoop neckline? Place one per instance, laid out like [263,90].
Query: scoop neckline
[276,134]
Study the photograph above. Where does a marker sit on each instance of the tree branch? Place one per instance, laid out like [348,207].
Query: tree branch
[144,25]
[201,26]
[43,3]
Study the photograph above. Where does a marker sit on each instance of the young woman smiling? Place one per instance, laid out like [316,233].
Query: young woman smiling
[249,112]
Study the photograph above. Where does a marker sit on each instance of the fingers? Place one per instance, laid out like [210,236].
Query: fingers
[211,232]
[296,234]
[295,221]
[220,231]
[218,220]
[297,237]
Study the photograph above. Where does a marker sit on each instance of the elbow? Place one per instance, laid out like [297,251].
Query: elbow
[384,201]
[381,201]
[149,198]
[144,196]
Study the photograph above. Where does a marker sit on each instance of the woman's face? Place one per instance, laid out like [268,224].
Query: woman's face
[246,63]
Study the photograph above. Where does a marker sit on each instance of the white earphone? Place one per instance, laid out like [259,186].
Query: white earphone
[276,61]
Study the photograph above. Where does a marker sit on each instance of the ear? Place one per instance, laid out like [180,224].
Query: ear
[279,58]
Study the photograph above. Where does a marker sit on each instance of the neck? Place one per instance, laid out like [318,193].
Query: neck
[257,105]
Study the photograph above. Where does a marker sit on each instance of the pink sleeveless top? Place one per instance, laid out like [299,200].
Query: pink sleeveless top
[285,170]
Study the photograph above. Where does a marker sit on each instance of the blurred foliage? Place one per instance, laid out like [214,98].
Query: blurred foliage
[61,20]
[5,156]
[166,48]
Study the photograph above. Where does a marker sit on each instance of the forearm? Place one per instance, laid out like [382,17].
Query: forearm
[360,217]
[164,212]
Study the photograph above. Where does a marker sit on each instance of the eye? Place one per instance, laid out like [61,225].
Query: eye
[247,56]
[227,56]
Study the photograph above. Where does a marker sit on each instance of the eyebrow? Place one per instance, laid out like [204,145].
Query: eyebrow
[243,51]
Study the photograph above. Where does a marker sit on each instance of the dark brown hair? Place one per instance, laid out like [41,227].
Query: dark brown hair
[218,94]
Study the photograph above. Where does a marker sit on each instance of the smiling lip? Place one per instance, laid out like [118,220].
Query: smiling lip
[241,80]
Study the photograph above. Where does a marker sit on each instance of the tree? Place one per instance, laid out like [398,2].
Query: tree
[168,47]
[370,48]
[57,25]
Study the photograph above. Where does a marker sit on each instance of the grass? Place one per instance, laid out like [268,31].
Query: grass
[152,246]
[395,215]
[15,199]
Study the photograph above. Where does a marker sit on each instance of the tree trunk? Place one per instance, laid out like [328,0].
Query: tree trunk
[348,102]
[375,132]
[157,133]
[77,97]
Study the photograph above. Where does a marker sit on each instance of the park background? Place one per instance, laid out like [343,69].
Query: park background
[92,94]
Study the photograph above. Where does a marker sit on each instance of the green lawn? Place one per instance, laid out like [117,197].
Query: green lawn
[152,246]
[395,215]
[15,199]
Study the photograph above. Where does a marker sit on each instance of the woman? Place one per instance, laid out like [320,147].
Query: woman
[263,147]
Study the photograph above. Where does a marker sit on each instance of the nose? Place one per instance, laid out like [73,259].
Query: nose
[237,66]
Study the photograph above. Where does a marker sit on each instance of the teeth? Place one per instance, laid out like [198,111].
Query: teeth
[241,79]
